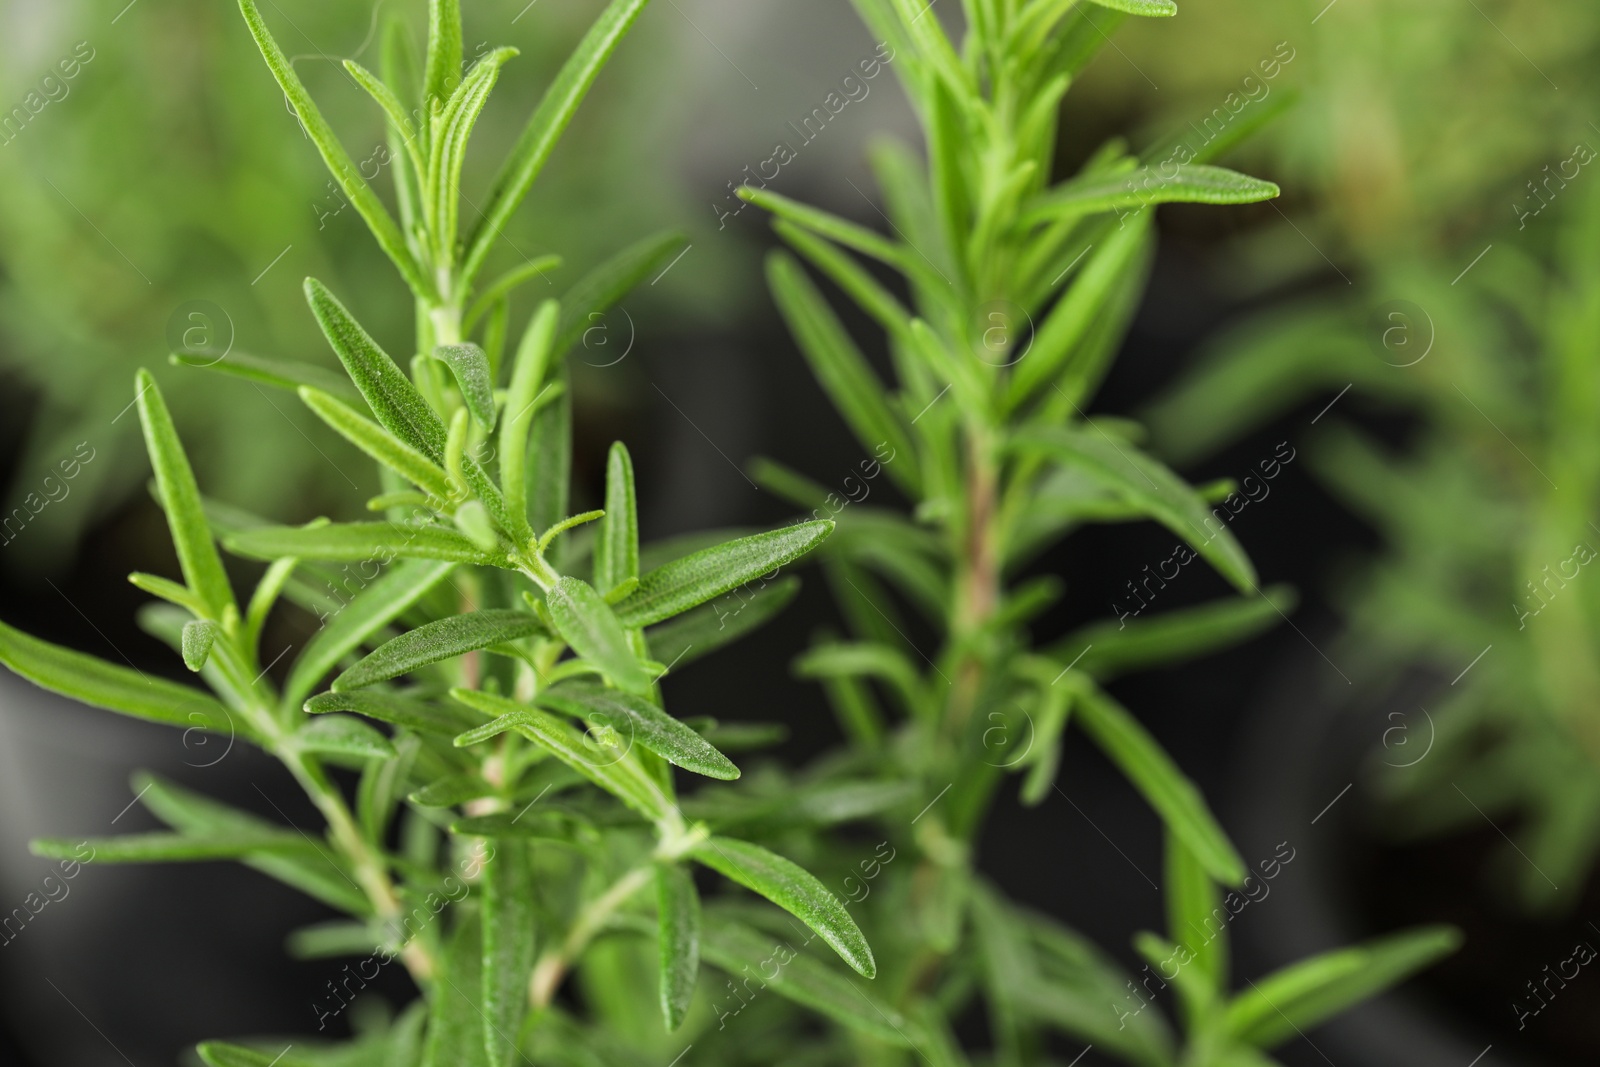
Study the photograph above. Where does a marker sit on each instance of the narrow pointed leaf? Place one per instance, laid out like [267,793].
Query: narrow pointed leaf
[503,286]
[436,641]
[1152,486]
[313,872]
[616,548]
[180,498]
[381,445]
[449,150]
[222,1054]
[452,790]
[1306,994]
[1193,184]
[105,685]
[343,168]
[508,947]
[1059,343]
[801,977]
[455,1015]
[586,303]
[836,361]
[172,848]
[1193,905]
[793,889]
[399,118]
[372,608]
[637,719]
[608,768]
[471,368]
[399,408]
[555,111]
[828,225]
[678,945]
[1174,797]
[863,659]
[1116,646]
[528,376]
[442,69]
[1148,8]
[550,443]
[343,735]
[277,373]
[587,623]
[675,587]
[397,711]
[357,542]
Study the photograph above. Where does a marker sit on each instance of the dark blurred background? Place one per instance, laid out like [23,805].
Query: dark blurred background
[166,172]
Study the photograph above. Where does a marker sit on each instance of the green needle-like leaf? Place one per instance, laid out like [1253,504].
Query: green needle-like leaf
[313,872]
[1304,995]
[455,1015]
[1173,796]
[586,622]
[1114,647]
[555,111]
[470,366]
[442,69]
[616,548]
[1149,8]
[527,380]
[343,735]
[436,641]
[794,890]
[453,128]
[788,970]
[381,445]
[608,766]
[675,587]
[393,399]
[637,719]
[1193,183]
[222,1054]
[180,498]
[357,542]
[373,607]
[339,163]
[836,361]
[104,685]
[678,915]
[276,373]
[1152,486]
[586,303]
[1058,347]
[398,711]
[508,946]
[174,848]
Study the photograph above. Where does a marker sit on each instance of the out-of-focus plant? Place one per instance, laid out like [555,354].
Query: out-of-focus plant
[1020,290]
[1483,339]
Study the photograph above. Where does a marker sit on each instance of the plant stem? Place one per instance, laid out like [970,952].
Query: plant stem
[553,965]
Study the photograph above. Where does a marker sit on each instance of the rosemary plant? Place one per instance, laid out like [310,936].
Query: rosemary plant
[518,821]
[521,834]
[1019,292]
[1494,365]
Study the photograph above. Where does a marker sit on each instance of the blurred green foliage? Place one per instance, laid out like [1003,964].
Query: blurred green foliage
[1444,161]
